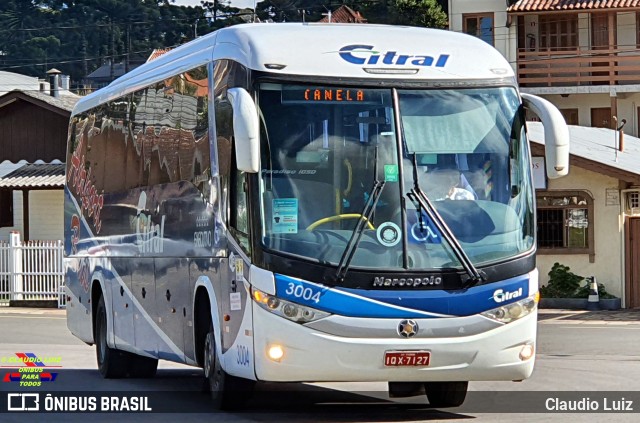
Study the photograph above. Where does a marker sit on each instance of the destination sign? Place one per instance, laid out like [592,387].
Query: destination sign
[321,95]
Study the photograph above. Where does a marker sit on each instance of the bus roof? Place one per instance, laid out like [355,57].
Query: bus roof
[325,50]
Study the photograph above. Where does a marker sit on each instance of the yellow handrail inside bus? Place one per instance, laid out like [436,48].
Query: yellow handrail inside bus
[339,217]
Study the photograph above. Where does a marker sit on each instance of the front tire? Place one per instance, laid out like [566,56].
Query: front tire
[227,392]
[446,394]
[112,363]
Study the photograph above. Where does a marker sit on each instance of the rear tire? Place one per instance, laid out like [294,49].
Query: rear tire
[112,363]
[227,392]
[141,367]
[446,394]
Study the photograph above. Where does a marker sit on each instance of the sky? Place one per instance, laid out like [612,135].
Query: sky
[234,3]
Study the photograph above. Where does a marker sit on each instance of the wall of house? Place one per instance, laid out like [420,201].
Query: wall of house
[46,209]
[29,132]
[628,104]
[505,40]
[17,218]
[608,233]
[46,213]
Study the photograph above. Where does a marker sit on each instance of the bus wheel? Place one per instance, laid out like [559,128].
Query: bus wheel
[446,394]
[142,367]
[228,392]
[112,363]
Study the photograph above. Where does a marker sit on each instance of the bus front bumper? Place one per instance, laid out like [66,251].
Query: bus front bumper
[313,356]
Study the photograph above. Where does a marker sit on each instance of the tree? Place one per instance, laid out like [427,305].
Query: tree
[78,36]
[427,13]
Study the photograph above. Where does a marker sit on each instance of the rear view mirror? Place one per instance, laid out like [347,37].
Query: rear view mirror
[556,135]
[246,130]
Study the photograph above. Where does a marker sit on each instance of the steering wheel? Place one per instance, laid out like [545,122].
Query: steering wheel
[333,218]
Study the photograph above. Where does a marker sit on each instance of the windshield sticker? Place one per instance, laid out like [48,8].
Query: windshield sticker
[389,234]
[423,230]
[391,173]
[285,216]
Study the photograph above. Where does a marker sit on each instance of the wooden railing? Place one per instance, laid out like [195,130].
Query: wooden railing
[578,67]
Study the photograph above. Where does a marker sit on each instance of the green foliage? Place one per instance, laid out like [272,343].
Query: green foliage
[583,292]
[565,284]
[562,283]
[79,36]
[426,13]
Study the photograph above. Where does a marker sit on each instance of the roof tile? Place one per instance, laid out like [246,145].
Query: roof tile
[560,5]
[35,176]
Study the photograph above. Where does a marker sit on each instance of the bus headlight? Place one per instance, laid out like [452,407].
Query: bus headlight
[514,311]
[291,311]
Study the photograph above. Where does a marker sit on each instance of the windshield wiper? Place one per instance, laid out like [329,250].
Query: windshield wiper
[365,218]
[423,203]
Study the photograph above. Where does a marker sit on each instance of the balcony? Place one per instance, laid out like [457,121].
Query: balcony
[570,68]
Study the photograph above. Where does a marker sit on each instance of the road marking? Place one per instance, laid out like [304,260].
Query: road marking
[20,316]
[599,327]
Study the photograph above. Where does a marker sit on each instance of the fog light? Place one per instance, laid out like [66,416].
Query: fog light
[275,352]
[527,352]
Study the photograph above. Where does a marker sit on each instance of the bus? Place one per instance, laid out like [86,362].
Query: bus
[310,203]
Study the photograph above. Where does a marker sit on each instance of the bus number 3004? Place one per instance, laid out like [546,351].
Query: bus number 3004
[305,293]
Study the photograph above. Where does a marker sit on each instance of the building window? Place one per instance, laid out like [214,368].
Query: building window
[558,32]
[565,222]
[479,25]
[6,207]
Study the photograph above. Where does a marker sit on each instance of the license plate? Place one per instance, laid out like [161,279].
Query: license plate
[407,358]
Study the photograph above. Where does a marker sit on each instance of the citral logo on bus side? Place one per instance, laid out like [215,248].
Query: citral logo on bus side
[359,54]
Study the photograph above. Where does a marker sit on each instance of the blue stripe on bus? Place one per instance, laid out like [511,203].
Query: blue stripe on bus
[405,303]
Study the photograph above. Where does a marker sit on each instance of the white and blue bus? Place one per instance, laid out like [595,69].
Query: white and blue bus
[310,203]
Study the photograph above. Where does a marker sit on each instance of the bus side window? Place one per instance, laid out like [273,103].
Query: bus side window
[239,215]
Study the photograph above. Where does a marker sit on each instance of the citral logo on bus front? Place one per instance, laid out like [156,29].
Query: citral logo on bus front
[359,54]
[500,296]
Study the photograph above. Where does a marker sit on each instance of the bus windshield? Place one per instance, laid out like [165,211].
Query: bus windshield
[324,148]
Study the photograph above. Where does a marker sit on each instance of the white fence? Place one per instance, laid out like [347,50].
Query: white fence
[31,270]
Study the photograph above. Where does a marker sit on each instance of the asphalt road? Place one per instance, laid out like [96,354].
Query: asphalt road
[585,354]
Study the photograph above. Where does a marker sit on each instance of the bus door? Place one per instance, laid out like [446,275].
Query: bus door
[236,315]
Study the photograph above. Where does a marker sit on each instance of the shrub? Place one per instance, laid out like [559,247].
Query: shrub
[565,284]
[562,283]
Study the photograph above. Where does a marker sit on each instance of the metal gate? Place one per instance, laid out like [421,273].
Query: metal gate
[31,270]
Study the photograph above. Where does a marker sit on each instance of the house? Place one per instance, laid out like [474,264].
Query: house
[343,14]
[583,57]
[107,73]
[33,137]
[588,219]
[580,55]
